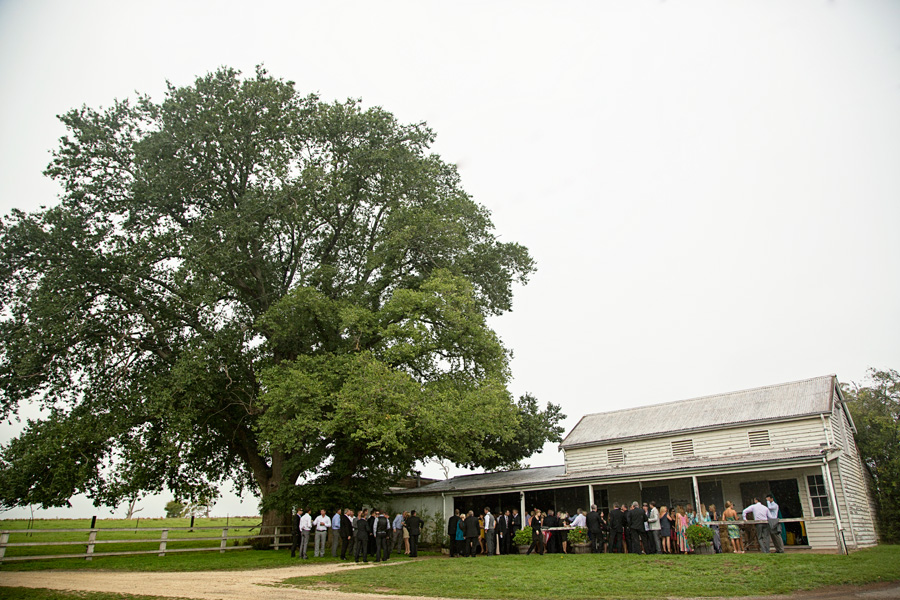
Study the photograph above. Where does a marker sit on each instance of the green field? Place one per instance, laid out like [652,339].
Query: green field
[142,535]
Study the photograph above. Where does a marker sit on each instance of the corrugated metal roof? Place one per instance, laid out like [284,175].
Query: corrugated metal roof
[782,401]
[556,476]
[505,479]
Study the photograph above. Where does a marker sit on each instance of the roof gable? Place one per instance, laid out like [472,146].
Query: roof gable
[770,403]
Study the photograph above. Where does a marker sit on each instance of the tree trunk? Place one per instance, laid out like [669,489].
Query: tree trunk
[270,520]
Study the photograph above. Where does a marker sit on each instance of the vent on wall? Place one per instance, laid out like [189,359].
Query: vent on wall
[759,439]
[615,456]
[683,448]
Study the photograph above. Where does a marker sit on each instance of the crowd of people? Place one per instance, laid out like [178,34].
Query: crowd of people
[640,529]
[371,533]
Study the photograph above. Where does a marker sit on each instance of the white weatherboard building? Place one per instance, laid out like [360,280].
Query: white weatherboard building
[793,439]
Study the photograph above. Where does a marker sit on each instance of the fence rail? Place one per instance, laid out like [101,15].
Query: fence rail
[162,542]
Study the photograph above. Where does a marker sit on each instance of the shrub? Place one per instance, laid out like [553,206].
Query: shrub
[523,537]
[578,535]
[698,535]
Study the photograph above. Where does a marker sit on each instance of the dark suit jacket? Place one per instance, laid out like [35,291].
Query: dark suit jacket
[346,527]
[636,518]
[471,527]
[451,526]
[413,525]
[295,524]
[617,521]
[363,529]
[593,522]
[502,526]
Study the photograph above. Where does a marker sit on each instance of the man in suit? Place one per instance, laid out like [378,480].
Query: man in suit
[515,524]
[362,537]
[381,529]
[550,520]
[414,526]
[503,533]
[451,531]
[636,519]
[595,529]
[346,532]
[472,531]
[370,547]
[616,530]
[654,528]
[295,531]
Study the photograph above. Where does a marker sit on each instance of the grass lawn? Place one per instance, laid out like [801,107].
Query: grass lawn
[555,576]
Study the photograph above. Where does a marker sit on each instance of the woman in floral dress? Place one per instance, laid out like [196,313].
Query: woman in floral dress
[681,525]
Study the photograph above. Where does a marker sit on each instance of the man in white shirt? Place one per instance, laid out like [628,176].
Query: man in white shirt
[580,520]
[489,539]
[305,527]
[323,524]
[774,525]
[761,518]
[335,532]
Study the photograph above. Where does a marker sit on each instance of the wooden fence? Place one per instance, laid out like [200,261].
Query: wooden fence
[162,543]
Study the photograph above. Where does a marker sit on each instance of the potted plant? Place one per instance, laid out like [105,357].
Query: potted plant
[522,539]
[700,538]
[578,542]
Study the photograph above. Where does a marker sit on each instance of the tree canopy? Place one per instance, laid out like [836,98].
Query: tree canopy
[241,283]
[876,413]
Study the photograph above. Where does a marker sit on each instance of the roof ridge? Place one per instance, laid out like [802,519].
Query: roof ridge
[753,389]
[499,472]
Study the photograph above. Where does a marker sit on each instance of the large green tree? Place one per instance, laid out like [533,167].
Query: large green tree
[876,413]
[244,284]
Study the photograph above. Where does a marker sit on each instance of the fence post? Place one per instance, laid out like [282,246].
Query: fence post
[277,537]
[224,543]
[4,538]
[92,537]
[162,542]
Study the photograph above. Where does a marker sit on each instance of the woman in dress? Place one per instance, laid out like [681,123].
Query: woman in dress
[691,516]
[734,532]
[604,533]
[681,524]
[481,533]
[405,536]
[665,530]
[460,536]
[715,516]
[563,535]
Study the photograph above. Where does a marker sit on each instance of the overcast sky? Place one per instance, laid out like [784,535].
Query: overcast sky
[711,189]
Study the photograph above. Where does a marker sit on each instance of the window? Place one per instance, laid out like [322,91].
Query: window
[615,456]
[683,448]
[818,496]
[759,439]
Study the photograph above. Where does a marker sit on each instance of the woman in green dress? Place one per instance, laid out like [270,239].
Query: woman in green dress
[734,532]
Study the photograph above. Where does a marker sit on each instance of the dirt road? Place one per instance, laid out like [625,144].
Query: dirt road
[202,585]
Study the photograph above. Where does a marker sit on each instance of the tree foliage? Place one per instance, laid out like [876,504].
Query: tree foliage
[876,413]
[242,283]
